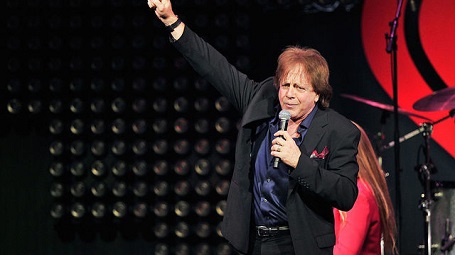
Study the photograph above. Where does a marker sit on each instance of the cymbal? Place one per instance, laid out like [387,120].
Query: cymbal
[382,106]
[440,100]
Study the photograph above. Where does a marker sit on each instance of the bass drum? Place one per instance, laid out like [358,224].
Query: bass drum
[443,218]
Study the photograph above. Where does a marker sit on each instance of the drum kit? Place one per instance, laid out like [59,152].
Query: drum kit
[441,100]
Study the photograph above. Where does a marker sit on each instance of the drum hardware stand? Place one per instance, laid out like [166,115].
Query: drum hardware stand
[448,241]
[425,171]
[425,177]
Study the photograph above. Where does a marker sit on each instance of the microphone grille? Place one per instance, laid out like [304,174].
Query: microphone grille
[284,115]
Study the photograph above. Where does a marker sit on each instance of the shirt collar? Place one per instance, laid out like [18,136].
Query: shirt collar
[305,124]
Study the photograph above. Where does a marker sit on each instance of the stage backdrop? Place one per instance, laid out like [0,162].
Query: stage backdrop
[59,51]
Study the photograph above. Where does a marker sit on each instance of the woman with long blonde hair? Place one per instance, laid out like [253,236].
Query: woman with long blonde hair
[371,220]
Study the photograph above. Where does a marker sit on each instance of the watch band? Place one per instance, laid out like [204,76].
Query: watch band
[172,26]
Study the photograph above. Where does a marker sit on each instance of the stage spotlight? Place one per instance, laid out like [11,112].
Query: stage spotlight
[119,209]
[222,104]
[202,84]
[77,127]
[140,168]
[140,210]
[55,127]
[202,167]
[139,147]
[202,187]
[222,125]
[161,230]
[181,167]
[202,126]
[223,146]
[97,127]
[182,147]
[223,249]
[140,189]
[98,148]
[118,84]
[182,229]
[14,106]
[119,189]
[181,104]
[161,188]
[57,169]
[78,210]
[182,249]
[160,167]
[201,104]
[159,126]
[203,249]
[160,147]
[182,188]
[202,208]
[119,168]
[56,148]
[98,105]
[57,190]
[77,106]
[118,105]
[220,207]
[98,210]
[99,168]
[119,147]
[218,230]
[99,189]
[203,230]
[139,126]
[161,209]
[222,187]
[77,85]
[78,189]
[181,84]
[181,125]
[139,105]
[97,85]
[182,208]
[35,106]
[56,85]
[202,146]
[77,169]
[162,249]
[57,211]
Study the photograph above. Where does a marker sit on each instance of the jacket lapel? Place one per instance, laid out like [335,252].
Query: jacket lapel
[315,132]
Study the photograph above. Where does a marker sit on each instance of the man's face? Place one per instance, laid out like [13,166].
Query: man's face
[296,94]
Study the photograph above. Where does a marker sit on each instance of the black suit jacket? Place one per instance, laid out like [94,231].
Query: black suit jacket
[315,186]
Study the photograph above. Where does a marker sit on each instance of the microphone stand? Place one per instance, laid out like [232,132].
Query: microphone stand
[391,48]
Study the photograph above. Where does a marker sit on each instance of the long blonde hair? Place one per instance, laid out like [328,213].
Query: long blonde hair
[371,172]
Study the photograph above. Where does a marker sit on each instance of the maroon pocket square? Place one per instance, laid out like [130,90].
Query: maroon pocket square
[320,155]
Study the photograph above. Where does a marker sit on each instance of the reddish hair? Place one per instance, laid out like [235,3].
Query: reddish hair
[314,66]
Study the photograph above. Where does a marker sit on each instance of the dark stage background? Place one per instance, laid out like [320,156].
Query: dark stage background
[74,67]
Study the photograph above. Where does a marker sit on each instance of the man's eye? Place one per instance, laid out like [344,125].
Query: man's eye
[299,88]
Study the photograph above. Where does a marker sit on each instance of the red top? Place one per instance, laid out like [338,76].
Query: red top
[360,232]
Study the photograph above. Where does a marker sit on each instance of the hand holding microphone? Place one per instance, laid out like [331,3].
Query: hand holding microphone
[284,118]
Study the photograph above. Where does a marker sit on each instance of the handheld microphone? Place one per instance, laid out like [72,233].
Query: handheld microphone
[284,118]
